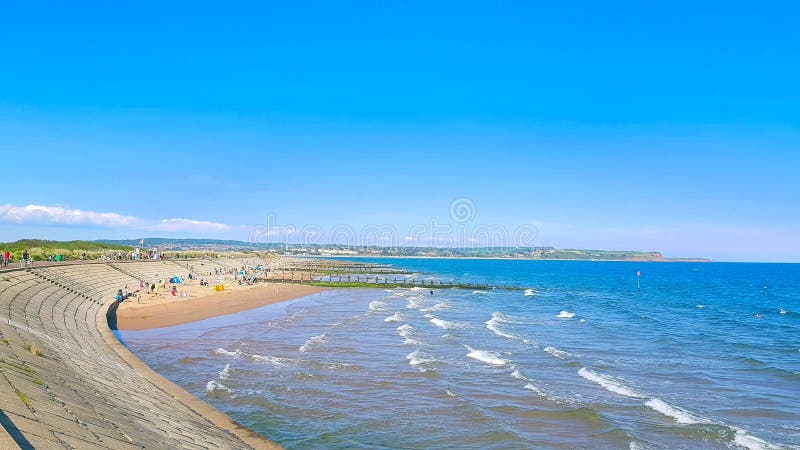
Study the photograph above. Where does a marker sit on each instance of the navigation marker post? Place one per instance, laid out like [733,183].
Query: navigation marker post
[638,281]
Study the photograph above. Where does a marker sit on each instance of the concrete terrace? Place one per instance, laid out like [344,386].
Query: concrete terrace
[66,382]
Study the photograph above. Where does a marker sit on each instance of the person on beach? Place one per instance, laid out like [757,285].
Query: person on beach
[119,297]
[6,258]
[26,258]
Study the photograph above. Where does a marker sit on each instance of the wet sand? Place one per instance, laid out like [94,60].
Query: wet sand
[202,302]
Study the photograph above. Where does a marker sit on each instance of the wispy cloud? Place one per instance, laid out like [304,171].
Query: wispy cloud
[189,225]
[57,215]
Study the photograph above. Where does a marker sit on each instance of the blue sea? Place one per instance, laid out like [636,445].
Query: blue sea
[705,355]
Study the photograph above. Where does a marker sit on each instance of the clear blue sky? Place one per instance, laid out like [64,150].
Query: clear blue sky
[671,126]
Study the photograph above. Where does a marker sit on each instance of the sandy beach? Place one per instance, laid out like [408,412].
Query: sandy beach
[203,302]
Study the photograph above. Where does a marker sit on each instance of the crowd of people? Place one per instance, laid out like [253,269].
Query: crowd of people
[170,285]
[24,261]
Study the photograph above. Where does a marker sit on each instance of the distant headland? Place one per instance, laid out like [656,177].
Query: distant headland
[332,250]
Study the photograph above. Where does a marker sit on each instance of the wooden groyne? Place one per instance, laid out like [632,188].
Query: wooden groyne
[378,281]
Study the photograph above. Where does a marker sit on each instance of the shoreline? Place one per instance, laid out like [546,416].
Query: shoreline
[203,409]
[132,316]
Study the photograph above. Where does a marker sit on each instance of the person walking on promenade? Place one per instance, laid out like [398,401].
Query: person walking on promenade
[6,258]
[26,258]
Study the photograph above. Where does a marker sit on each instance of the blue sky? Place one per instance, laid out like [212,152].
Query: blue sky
[620,125]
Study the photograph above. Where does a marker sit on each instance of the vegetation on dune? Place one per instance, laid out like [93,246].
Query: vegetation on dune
[40,249]
[211,254]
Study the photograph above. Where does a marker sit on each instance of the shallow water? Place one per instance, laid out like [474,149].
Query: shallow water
[583,360]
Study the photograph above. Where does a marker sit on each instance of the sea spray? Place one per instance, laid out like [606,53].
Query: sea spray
[214,386]
[225,373]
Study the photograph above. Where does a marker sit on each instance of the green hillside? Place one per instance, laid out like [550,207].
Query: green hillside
[40,249]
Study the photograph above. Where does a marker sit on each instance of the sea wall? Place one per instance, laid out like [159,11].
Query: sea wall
[67,382]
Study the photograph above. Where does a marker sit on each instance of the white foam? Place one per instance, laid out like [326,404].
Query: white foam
[561,354]
[418,357]
[535,388]
[445,325]
[479,292]
[680,416]
[530,293]
[221,351]
[377,305]
[700,306]
[565,315]
[270,359]
[486,356]
[449,393]
[415,302]
[609,383]
[492,325]
[504,318]
[436,307]
[213,386]
[782,311]
[406,331]
[532,386]
[225,373]
[396,317]
[635,446]
[313,341]
[743,439]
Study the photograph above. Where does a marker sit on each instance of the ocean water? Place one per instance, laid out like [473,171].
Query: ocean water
[704,356]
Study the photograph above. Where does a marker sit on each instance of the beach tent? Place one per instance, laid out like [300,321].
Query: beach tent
[175,280]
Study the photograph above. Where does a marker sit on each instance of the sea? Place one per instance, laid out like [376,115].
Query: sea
[587,355]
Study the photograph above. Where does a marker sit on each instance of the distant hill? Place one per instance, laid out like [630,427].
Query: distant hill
[537,253]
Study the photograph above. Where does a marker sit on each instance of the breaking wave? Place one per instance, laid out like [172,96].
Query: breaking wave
[313,341]
[487,357]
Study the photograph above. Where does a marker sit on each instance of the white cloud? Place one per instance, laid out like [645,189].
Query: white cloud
[58,215]
[40,214]
[194,226]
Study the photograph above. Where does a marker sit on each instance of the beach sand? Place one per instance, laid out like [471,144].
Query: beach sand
[164,310]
